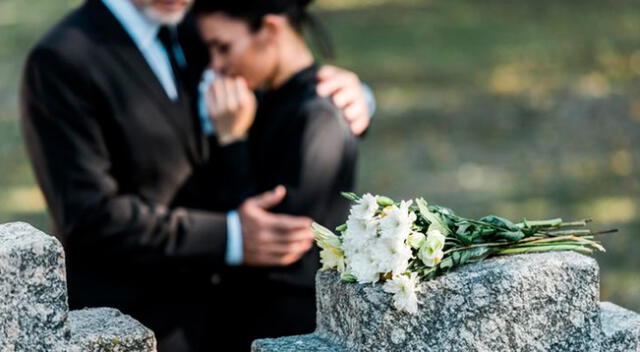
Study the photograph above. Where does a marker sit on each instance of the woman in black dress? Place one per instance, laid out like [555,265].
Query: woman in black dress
[295,138]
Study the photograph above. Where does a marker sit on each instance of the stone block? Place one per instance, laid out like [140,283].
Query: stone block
[297,343]
[33,291]
[34,313]
[620,328]
[108,330]
[533,302]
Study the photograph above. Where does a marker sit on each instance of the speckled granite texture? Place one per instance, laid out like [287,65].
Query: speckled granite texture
[33,290]
[534,302]
[307,343]
[108,330]
[620,328]
[34,314]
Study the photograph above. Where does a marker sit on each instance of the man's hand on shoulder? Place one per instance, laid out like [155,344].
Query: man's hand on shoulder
[272,239]
[346,91]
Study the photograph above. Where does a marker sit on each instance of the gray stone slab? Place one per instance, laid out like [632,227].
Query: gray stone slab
[534,302]
[297,343]
[33,292]
[108,330]
[620,328]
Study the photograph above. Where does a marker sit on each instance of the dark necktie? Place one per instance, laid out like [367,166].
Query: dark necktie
[169,43]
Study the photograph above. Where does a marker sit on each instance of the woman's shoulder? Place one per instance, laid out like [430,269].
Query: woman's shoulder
[320,106]
[322,116]
[316,107]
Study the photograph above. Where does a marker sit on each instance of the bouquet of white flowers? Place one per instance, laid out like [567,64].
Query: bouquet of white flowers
[399,243]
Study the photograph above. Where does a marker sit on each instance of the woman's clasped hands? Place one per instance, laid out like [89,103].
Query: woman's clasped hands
[232,107]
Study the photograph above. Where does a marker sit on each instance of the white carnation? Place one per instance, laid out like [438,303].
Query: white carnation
[378,246]
[365,208]
[363,268]
[359,236]
[404,289]
[397,221]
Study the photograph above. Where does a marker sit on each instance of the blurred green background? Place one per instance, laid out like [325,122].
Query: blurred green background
[519,108]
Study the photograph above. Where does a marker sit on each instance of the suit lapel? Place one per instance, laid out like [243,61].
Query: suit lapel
[127,54]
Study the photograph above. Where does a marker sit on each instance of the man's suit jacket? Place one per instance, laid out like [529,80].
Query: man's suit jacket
[129,178]
[136,193]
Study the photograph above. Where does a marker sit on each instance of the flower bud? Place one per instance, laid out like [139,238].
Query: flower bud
[416,239]
[384,201]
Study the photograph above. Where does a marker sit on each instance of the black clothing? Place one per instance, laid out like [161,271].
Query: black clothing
[131,183]
[138,196]
[303,142]
[169,43]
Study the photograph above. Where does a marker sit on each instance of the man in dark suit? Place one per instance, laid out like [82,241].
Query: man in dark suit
[134,188]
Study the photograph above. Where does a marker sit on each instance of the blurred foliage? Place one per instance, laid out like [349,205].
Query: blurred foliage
[511,107]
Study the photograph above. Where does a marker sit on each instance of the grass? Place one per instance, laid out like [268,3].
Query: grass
[523,109]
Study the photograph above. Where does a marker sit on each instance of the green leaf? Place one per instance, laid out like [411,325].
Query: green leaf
[479,253]
[456,257]
[500,222]
[434,219]
[464,238]
[446,263]
[470,255]
[341,228]
[462,229]
[510,235]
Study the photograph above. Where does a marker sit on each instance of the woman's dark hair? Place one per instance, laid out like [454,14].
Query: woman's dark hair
[253,12]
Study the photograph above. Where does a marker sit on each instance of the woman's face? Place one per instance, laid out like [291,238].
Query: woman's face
[236,50]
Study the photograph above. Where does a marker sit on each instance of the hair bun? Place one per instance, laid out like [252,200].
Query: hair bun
[304,3]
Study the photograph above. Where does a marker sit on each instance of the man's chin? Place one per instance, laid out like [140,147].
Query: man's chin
[165,17]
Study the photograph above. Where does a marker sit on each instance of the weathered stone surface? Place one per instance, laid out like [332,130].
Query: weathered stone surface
[620,328]
[34,314]
[534,302]
[33,291]
[307,343]
[108,330]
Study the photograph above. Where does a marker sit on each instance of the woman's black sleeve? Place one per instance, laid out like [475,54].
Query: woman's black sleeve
[328,155]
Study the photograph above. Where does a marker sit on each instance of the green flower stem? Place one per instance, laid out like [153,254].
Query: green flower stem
[559,239]
[568,243]
[569,239]
[573,232]
[493,244]
[503,244]
[579,223]
[598,233]
[582,233]
[542,249]
[541,223]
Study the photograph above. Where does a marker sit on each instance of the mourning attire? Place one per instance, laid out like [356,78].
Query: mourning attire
[132,185]
[301,141]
